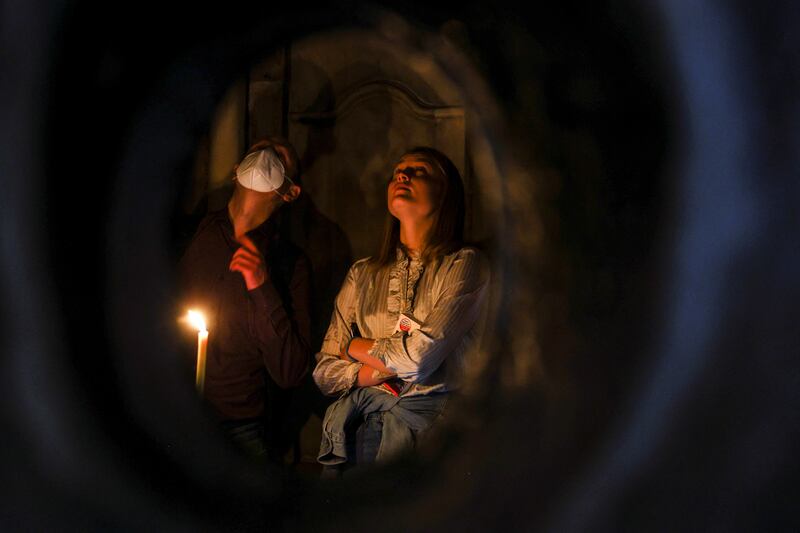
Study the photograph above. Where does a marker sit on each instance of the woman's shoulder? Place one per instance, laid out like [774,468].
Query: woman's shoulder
[358,268]
[468,253]
[470,259]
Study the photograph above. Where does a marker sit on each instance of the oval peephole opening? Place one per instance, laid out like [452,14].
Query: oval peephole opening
[560,157]
[349,103]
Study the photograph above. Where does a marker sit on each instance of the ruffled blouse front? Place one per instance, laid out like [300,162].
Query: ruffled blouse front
[403,278]
[446,297]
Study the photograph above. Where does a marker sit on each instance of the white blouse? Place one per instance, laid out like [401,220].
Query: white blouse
[446,298]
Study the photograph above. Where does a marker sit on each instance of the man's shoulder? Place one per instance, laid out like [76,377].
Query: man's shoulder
[209,225]
[206,234]
[213,219]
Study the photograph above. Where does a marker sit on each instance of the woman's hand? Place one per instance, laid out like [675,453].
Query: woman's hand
[368,376]
[359,348]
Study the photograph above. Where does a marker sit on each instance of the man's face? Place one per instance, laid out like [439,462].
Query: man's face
[285,154]
[288,190]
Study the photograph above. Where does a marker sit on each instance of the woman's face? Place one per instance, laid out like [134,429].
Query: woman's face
[414,189]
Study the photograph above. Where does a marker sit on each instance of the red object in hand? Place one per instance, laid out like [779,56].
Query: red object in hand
[392,386]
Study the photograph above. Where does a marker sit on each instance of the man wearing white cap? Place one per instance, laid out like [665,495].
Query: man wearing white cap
[253,286]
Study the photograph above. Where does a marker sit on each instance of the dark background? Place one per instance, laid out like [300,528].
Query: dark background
[650,273]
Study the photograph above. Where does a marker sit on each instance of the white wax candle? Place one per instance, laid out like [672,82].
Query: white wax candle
[198,321]
[202,344]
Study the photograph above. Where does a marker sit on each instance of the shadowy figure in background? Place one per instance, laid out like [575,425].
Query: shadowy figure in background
[328,250]
[253,285]
[403,321]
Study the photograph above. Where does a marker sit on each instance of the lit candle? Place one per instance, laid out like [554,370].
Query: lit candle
[196,319]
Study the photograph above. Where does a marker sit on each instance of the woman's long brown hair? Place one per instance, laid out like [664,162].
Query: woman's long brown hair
[447,232]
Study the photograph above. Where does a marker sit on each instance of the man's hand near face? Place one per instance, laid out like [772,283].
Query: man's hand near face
[249,262]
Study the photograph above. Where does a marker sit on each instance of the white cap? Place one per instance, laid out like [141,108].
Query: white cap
[261,171]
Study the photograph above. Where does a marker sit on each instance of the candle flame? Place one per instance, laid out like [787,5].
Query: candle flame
[196,320]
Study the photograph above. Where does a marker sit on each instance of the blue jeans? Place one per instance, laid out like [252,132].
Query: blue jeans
[390,425]
[368,438]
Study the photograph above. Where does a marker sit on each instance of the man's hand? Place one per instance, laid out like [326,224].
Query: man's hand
[249,262]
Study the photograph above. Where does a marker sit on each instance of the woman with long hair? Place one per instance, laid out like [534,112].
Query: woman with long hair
[404,319]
